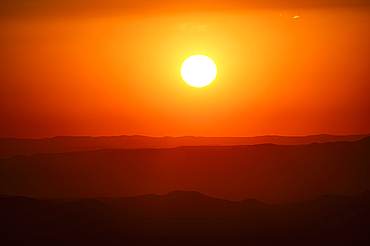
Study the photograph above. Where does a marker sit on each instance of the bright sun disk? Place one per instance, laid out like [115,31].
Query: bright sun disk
[198,70]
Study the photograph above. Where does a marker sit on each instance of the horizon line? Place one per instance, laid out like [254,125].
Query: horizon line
[189,136]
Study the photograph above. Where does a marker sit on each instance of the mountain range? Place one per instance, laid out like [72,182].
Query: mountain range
[61,144]
[267,172]
[185,218]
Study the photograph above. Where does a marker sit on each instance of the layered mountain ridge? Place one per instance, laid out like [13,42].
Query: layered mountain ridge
[63,144]
[184,218]
[270,173]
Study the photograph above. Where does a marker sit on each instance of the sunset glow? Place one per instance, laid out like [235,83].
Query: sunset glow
[197,122]
[112,67]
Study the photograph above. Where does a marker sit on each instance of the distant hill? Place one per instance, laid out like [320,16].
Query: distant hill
[270,173]
[185,218]
[63,144]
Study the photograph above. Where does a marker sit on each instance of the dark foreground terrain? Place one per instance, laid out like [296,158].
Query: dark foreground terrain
[185,218]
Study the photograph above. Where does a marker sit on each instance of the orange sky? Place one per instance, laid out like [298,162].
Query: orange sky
[112,68]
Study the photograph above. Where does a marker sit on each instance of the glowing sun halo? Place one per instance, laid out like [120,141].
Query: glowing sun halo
[198,70]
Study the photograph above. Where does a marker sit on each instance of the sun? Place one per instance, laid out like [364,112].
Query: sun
[198,70]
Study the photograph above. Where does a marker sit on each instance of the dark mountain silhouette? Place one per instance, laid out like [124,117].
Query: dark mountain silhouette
[63,144]
[267,172]
[185,218]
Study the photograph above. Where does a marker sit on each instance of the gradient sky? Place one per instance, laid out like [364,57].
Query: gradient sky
[112,67]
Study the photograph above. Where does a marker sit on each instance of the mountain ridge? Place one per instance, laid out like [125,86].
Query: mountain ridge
[28,221]
[269,173]
[64,144]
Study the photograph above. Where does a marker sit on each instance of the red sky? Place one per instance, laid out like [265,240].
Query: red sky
[112,68]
